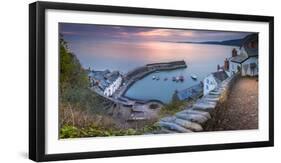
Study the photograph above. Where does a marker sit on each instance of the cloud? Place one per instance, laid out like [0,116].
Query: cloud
[88,32]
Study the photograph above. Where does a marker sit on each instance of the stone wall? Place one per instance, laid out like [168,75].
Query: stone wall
[200,114]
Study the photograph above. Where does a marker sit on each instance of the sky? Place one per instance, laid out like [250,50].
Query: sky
[126,47]
[90,32]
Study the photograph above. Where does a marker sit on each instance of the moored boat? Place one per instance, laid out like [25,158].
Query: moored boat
[194,77]
[181,78]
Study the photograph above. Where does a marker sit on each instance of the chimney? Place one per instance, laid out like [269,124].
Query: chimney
[234,52]
[226,64]
[218,68]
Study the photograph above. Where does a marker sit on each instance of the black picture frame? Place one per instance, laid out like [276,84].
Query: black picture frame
[37,79]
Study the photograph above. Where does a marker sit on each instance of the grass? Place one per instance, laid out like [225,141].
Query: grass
[174,107]
[76,123]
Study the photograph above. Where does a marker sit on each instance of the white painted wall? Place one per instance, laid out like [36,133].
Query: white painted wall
[247,63]
[209,84]
[113,87]
[233,67]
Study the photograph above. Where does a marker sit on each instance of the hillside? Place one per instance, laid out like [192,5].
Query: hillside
[235,42]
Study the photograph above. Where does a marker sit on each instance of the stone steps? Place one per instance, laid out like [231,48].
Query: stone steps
[192,118]
[173,127]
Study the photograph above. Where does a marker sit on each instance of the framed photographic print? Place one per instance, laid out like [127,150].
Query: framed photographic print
[118,81]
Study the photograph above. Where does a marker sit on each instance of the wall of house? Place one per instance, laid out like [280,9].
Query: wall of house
[209,84]
[233,67]
[113,87]
[246,70]
[242,51]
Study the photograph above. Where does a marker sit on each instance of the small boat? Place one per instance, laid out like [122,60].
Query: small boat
[153,77]
[181,78]
[194,77]
[174,78]
[158,78]
[165,79]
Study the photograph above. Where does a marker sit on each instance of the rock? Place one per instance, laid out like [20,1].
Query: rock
[212,96]
[215,93]
[206,102]
[211,99]
[173,127]
[166,131]
[219,89]
[206,114]
[189,125]
[193,118]
[191,111]
[203,106]
[168,119]
[184,123]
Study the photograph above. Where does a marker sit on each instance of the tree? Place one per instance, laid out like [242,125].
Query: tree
[71,72]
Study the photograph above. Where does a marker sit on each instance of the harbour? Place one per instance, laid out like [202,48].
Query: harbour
[156,84]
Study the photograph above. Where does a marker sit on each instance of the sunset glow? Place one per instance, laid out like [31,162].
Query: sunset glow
[136,45]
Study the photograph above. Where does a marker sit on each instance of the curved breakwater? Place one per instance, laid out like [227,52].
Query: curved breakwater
[139,73]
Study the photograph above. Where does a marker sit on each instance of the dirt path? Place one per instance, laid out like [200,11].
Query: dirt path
[241,110]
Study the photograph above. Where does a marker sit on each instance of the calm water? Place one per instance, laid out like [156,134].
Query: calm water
[201,60]
[147,88]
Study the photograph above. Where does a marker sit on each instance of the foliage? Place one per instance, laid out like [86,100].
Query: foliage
[79,106]
[69,131]
[74,82]
[72,75]
[75,122]
[150,128]
[173,107]
[82,111]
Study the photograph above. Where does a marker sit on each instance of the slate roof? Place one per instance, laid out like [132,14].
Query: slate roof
[239,58]
[251,52]
[220,76]
[105,78]
[111,77]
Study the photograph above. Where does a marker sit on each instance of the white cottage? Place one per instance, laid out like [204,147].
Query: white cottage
[115,81]
[213,80]
[247,60]
[107,82]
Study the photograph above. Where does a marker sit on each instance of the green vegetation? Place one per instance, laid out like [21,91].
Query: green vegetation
[173,107]
[82,112]
[92,131]
[74,82]
[69,131]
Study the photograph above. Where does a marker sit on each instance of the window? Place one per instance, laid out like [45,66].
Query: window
[207,87]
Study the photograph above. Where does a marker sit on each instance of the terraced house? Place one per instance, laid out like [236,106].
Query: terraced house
[105,82]
[247,60]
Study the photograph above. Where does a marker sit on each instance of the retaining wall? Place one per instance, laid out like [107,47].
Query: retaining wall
[195,118]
